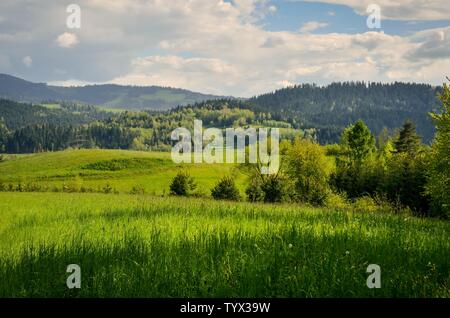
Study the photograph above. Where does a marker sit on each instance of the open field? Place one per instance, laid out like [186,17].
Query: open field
[142,246]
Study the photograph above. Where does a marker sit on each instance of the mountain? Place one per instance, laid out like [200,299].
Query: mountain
[331,108]
[108,95]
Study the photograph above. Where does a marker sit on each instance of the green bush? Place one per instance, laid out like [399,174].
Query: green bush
[182,184]
[253,191]
[226,189]
[137,189]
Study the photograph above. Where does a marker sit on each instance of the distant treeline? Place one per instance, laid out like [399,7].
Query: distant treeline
[331,108]
[50,137]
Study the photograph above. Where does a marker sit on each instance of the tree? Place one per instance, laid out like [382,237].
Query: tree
[359,141]
[438,185]
[309,169]
[182,184]
[408,141]
[226,189]
[356,166]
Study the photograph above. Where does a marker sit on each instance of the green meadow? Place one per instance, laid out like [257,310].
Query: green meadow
[121,169]
[155,245]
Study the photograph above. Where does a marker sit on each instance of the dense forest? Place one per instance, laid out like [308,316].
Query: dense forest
[331,108]
[18,115]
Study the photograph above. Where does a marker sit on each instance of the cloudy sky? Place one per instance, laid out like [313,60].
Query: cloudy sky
[226,47]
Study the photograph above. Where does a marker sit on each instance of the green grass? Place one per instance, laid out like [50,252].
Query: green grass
[159,246]
[119,168]
[143,246]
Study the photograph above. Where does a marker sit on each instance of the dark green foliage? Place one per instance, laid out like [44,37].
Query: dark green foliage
[182,184]
[404,181]
[120,164]
[15,115]
[331,108]
[408,141]
[253,191]
[49,137]
[274,189]
[356,164]
[226,189]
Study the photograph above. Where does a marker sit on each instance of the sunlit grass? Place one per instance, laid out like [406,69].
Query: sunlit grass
[146,246]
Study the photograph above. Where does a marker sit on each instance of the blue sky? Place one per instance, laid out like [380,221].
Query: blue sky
[225,47]
[291,15]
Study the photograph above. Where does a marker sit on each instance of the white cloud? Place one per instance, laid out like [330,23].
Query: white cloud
[400,9]
[67,40]
[27,61]
[312,26]
[210,46]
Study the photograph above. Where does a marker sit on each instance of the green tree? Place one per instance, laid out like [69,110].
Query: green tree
[438,185]
[356,167]
[408,141]
[359,142]
[309,169]
[182,184]
[226,189]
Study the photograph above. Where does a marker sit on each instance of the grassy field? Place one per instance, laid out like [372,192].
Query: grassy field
[122,170]
[154,246]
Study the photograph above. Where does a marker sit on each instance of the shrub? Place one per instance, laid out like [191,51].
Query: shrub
[226,189]
[254,190]
[182,184]
[137,189]
[337,201]
[107,189]
[365,204]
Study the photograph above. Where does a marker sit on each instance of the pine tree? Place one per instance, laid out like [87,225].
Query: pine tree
[408,141]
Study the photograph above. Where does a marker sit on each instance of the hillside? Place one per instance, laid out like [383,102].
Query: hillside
[108,96]
[17,115]
[331,108]
[94,169]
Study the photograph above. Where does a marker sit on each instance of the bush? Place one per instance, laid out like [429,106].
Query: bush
[107,189]
[365,204]
[137,189]
[337,201]
[183,184]
[254,190]
[226,189]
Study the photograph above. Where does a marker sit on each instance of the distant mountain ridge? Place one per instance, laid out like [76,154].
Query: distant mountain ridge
[106,95]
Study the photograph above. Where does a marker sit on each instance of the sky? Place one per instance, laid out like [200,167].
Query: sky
[225,47]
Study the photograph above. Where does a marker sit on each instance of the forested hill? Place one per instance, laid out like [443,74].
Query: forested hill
[18,115]
[331,108]
[110,96]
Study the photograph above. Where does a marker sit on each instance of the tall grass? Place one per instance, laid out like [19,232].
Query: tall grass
[140,246]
